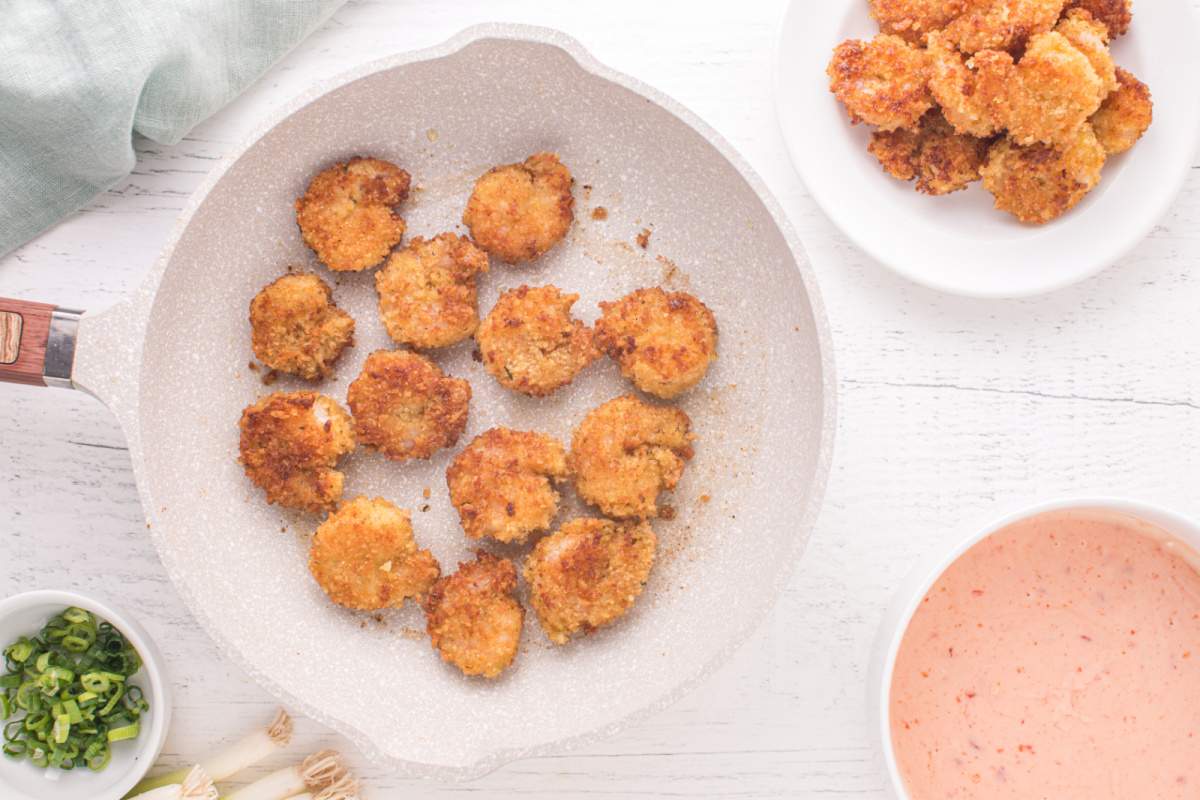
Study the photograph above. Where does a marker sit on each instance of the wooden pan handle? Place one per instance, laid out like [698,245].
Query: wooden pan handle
[37,343]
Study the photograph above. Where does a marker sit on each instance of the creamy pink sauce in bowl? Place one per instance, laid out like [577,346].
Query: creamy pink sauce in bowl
[1056,657]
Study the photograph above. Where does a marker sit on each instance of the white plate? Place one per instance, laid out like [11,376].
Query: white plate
[959,243]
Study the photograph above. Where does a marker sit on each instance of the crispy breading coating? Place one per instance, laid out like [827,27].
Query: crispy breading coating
[973,93]
[472,617]
[290,444]
[883,82]
[662,342]
[347,215]
[913,20]
[626,451]
[1116,15]
[502,484]
[427,292]
[941,159]
[519,211]
[1038,183]
[1090,37]
[295,326]
[588,574]
[531,344]
[1125,115]
[1056,91]
[364,556]
[1002,24]
[405,407]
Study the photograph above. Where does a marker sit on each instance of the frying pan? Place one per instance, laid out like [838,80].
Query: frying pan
[172,364]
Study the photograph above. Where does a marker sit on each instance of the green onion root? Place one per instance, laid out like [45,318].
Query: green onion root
[315,773]
[344,789]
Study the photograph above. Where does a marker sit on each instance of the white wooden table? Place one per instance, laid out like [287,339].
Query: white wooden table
[950,410]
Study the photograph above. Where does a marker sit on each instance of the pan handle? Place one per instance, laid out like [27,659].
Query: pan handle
[37,343]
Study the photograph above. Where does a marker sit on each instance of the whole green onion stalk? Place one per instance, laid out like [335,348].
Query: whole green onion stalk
[196,785]
[232,759]
[345,789]
[314,774]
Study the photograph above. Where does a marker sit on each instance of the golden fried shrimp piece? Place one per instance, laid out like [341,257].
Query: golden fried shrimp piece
[1116,15]
[427,293]
[364,556]
[1056,91]
[502,484]
[883,82]
[290,444]
[588,574]
[1038,183]
[973,93]
[627,451]
[942,160]
[519,211]
[1090,37]
[1002,24]
[531,343]
[472,617]
[296,328]
[662,342]
[1125,114]
[913,20]
[347,215]
[405,407]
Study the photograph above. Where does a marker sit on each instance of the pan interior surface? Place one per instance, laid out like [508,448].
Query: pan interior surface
[744,505]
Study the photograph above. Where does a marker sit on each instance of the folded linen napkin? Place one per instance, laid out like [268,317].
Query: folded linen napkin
[78,78]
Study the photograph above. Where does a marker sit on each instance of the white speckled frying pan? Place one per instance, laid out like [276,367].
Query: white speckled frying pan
[171,362]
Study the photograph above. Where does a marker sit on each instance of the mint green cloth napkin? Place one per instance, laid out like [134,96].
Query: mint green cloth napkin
[78,78]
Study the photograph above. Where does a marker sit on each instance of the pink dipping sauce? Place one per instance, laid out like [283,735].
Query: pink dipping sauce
[1058,658]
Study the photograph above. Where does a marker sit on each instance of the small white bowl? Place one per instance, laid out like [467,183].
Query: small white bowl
[25,615]
[922,578]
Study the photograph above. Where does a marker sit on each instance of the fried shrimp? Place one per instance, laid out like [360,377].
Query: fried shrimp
[588,574]
[1115,15]
[519,211]
[531,344]
[941,160]
[1002,24]
[502,484]
[472,617]
[427,293]
[296,327]
[348,215]
[364,556]
[1056,90]
[1090,37]
[627,451]
[290,444]
[973,93]
[883,82]
[1038,183]
[405,407]
[1125,114]
[913,20]
[662,342]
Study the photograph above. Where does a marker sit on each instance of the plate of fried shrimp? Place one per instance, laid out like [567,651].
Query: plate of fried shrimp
[991,148]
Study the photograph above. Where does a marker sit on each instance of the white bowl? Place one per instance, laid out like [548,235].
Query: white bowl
[922,578]
[24,615]
[959,243]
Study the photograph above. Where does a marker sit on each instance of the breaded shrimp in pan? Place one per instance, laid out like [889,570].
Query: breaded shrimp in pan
[519,211]
[531,344]
[1038,183]
[297,328]
[472,617]
[502,484]
[588,574]
[662,342]
[348,215]
[1116,15]
[290,445]
[913,20]
[405,407]
[1002,24]
[883,82]
[364,556]
[973,93]
[941,160]
[1125,115]
[427,292]
[626,451]
[1056,90]
[1090,37]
